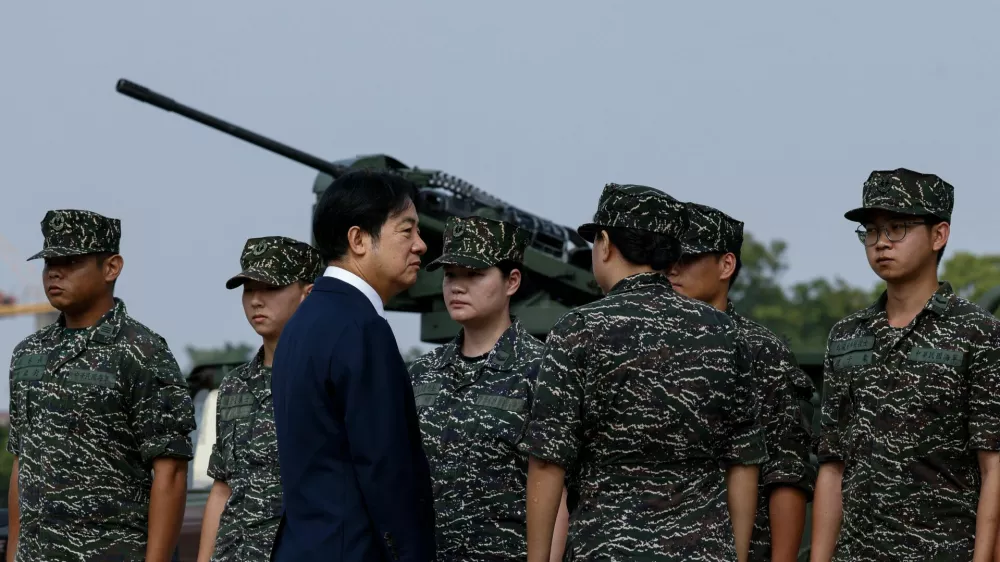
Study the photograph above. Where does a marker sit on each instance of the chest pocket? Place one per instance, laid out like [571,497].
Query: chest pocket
[424,395]
[25,378]
[263,441]
[942,386]
[236,412]
[94,397]
[499,417]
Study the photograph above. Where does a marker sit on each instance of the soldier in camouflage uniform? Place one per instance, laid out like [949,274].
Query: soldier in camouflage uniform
[644,402]
[244,507]
[706,272]
[910,420]
[473,395]
[98,403]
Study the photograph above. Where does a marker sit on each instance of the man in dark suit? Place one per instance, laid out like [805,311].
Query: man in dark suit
[355,479]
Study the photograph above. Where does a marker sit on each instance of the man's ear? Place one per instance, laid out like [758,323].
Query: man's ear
[604,253]
[727,266]
[112,268]
[358,241]
[939,235]
[305,292]
[513,282]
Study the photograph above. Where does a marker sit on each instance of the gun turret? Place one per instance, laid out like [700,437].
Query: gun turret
[556,274]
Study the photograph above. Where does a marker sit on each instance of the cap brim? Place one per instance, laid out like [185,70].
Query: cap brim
[861,213]
[588,231]
[693,249]
[60,252]
[460,260]
[260,276]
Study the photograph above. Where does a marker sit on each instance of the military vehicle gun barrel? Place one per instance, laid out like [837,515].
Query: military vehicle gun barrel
[142,93]
[556,274]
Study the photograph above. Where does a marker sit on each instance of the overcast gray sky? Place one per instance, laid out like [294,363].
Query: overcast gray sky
[773,111]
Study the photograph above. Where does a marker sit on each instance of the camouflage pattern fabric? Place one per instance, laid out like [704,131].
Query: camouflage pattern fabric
[639,207]
[641,397]
[906,192]
[479,242]
[278,261]
[71,232]
[711,231]
[473,414]
[782,391]
[906,409]
[245,456]
[90,410]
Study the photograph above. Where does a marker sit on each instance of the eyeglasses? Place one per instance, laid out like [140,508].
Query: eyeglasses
[894,231]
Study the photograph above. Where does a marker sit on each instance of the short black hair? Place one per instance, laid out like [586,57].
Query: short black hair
[506,266]
[364,198]
[641,247]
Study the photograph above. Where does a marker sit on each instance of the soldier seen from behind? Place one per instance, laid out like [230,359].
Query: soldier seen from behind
[244,507]
[644,406]
[100,415]
[473,395]
[910,421]
[707,271]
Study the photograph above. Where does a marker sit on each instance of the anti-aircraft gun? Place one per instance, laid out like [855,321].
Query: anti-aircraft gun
[556,274]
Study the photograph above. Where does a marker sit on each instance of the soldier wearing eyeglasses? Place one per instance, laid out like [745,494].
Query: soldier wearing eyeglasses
[910,424]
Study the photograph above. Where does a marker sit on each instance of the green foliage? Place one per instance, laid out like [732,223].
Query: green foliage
[971,275]
[805,312]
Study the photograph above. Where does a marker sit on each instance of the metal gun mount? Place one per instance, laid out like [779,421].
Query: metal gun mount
[556,273]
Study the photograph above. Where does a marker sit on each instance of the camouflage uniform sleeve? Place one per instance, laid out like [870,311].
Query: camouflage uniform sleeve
[828,445]
[163,413]
[14,416]
[984,400]
[743,436]
[788,434]
[218,467]
[555,428]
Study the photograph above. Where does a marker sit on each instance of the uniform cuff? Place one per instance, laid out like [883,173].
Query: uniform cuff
[13,442]
[984,440]
[217,466]
[167,446]
[551,443]
[789,472]
[828,449]
[746,447]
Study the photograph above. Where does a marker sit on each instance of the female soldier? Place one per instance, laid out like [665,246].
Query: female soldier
[640,397]
[474,393]
[244,507]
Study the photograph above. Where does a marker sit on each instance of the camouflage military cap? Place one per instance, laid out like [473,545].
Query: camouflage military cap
[711,230]
[906,192]
[639,207]
[278,261]
[72,232]
[479,242]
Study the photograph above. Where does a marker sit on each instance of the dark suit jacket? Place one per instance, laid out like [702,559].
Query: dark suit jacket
[355,481]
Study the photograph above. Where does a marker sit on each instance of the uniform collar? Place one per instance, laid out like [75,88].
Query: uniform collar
[639,281]
[359,284]
[939,303]
[105,330]
[731,309]
[501,357]
[255,365]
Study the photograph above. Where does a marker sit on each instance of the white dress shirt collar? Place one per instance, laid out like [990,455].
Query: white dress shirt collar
[359,284]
